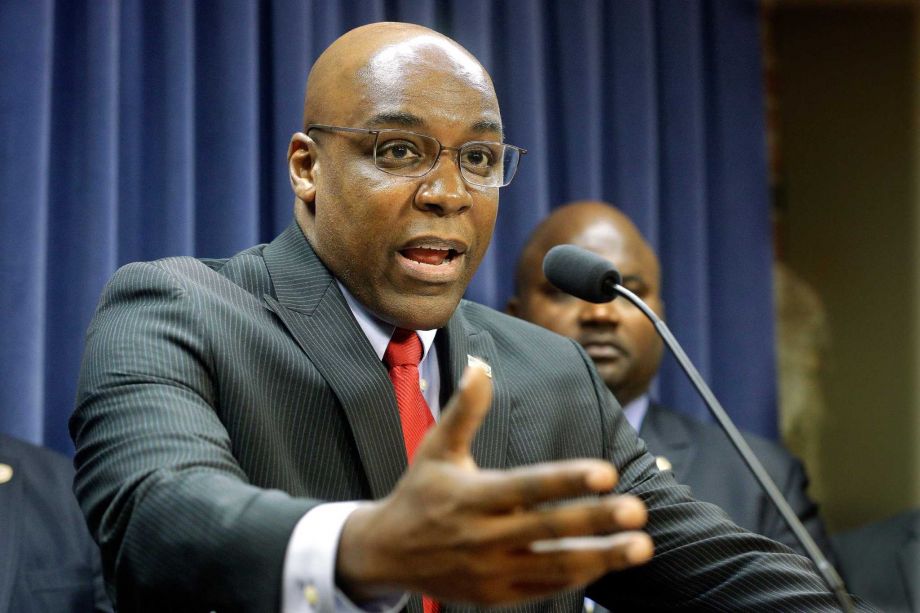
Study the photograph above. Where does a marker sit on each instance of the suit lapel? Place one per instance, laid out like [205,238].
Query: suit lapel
[309,304]
[461,342]
[10,503]
[311,307]
[313,310]
[667,436]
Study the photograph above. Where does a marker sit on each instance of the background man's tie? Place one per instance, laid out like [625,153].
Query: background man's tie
[402,357]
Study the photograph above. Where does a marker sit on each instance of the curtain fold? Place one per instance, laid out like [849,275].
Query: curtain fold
[26,66]
[134,129]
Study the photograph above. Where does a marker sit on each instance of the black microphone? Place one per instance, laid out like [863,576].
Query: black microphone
[590,277]
[581,273]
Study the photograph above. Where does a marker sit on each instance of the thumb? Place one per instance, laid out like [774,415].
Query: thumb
[460,419]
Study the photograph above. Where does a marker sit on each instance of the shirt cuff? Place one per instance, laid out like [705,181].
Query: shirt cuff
[308,580]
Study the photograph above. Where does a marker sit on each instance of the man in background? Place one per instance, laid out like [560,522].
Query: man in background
[48,561]
[627,353]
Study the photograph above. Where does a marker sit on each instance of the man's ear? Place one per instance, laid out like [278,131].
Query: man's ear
[301,163]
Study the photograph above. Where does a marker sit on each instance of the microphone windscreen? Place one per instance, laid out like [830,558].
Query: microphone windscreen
[581,273]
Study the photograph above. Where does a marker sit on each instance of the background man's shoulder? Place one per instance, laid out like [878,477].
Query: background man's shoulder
[709,434]
[51,467]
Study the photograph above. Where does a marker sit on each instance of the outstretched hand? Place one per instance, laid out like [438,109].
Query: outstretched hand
[462,534]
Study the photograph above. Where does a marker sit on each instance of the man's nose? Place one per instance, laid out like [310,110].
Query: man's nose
[603,313]
[443,190]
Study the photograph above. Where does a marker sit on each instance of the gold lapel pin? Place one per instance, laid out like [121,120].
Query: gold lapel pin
[6,473]
[474,361]
[663,463]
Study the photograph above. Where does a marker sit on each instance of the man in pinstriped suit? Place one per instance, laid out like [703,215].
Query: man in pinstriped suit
[230,412]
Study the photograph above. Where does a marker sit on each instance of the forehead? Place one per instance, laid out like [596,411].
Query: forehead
[426,83]
[623,248]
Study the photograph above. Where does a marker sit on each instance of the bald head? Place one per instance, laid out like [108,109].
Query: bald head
[621,341]
[593,225]
[372,61]
[404,245]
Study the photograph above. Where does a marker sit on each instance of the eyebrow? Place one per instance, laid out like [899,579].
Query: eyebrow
[408,120]
[486,125]
[636,279]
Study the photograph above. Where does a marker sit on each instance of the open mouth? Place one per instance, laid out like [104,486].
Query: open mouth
[434,260]
[433,256]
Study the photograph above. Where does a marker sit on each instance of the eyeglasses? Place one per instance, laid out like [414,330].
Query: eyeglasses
[410,154]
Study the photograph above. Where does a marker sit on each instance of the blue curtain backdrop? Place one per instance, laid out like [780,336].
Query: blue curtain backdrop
[138,129]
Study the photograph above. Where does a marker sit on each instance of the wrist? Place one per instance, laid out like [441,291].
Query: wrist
[359,569]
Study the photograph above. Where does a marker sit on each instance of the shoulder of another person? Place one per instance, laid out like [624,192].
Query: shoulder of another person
[710,436]
[50,466]
[47,504]
[772,454]
[764,448]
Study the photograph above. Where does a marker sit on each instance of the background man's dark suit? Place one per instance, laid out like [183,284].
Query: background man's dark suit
[48,562]
[220,401]
[702,457]
[881,561]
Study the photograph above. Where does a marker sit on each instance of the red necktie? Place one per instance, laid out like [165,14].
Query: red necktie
[402,357]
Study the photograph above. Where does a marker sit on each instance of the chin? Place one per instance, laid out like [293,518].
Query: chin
[427,320]
[422,312]
[614,382]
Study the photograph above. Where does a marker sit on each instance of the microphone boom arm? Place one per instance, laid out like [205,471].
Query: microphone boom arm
[827,571]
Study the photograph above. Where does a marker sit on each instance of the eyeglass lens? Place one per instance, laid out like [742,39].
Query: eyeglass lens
[412,155]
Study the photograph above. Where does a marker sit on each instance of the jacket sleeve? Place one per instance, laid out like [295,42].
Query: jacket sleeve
[702,561]
[178,524]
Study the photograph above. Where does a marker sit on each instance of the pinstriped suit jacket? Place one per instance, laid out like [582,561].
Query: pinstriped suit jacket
[220,400]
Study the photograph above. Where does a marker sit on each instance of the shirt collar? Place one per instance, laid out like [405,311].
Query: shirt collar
[635,411]
[378,332]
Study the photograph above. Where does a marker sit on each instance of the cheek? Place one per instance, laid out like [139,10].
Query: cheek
[483,215]
[555,316]
[654,303]
[647,341]
[359,211]
[333,236]
[485,210]
[640,326]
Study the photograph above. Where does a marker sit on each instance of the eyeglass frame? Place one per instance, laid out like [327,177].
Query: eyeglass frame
[441,148]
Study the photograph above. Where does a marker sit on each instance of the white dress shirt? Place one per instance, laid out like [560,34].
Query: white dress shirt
[308,580]
[635,412]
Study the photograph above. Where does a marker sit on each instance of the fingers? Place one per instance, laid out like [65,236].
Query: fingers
[541,530]
[579,525]
[526,486]
[493,528]
[524,575]
[580,561]
[460,419]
